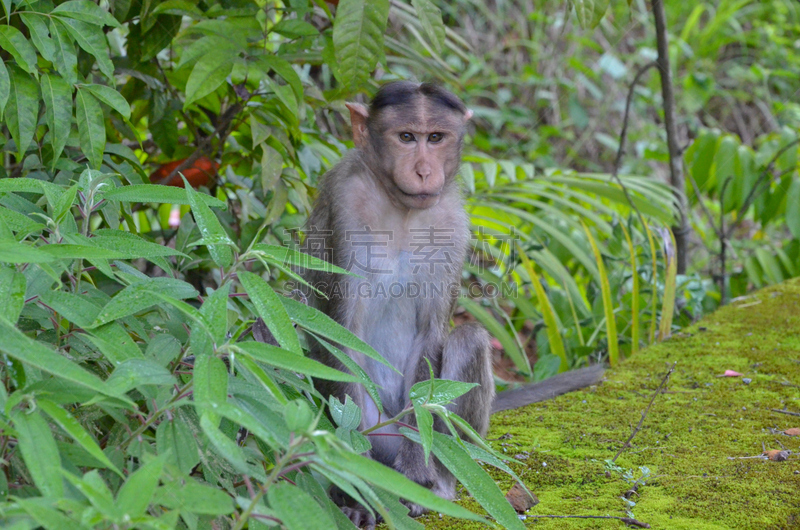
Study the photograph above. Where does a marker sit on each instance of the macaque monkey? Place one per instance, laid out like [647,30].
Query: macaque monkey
[391,211]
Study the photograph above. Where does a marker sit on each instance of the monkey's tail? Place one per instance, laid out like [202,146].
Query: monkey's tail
[549,388]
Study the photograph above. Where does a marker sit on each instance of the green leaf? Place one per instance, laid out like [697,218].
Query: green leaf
[155,193]
[12,293]
[396,483]
[76,431]
[287,257]
[548,313]
[284,69]
[20,223]
[358,39]
[139,296]
[271,167]
[95,490]
[353,366]
[793,207]
[210,228]
[444,391]
[296,509]
[134,496]
[131,245]
[22,253]
[228,449]
[176,438]
[87,11]
[425,426]
[215,309]
[269,308]
[42,511]
[177,7]
[36,354]
[589,12]
[321,324]
[22,111]
[65,59]
[608,303]
[92,39]
[64,203]
[27,185]
[210,381]
[479,484]
[193,497]
[14,42]
[294,28]
[207,75]
[187,310]
[700,156]
[723,165]
[69,251]
[40,35]
[134,373]
[5,87]
[280,358]
[346,415]
[430,17]
[398,512]
[39,451]
[57,95]
[91,129]
[110,97]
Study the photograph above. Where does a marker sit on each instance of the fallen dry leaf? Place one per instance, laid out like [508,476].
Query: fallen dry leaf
[794,431]
[520,499]
[776,455]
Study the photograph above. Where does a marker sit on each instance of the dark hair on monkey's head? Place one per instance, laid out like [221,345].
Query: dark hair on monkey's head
[402,93]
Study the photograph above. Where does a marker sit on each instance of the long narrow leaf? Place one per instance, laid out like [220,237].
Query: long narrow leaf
[553,333]
[608,305]
[634,293]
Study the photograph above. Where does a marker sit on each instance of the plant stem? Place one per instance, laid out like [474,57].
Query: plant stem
[681,230]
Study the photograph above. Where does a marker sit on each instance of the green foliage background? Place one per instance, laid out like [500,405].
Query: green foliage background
[128,365]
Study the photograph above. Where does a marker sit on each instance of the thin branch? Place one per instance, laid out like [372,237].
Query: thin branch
[628,101]
[627,520]
[790,413]
[723,244]
[644,414]
[623,135]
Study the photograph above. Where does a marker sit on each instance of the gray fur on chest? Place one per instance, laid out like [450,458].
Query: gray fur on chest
[400,302]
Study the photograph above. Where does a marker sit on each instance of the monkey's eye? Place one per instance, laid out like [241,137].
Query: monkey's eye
[435,138]
[406,137]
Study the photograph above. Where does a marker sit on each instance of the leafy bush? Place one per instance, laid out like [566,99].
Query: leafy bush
[124,410]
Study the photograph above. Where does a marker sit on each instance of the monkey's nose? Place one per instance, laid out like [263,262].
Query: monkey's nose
[423,171]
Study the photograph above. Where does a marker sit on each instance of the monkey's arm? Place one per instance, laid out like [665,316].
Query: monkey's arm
[549,388]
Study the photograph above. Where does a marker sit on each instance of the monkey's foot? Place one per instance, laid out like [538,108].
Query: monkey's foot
[414,510]
[360,517]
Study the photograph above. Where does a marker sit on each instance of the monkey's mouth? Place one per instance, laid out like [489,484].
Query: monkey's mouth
[421,196]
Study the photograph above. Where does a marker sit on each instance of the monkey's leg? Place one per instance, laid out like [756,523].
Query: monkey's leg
[466,356]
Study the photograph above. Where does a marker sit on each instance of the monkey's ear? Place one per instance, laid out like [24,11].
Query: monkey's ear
[358,119]
[468,115]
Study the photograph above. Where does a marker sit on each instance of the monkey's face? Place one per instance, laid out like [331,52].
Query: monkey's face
[419,149]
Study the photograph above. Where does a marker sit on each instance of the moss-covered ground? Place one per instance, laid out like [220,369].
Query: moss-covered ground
[698,439]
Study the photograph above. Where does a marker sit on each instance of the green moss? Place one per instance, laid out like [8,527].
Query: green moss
[692,440]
